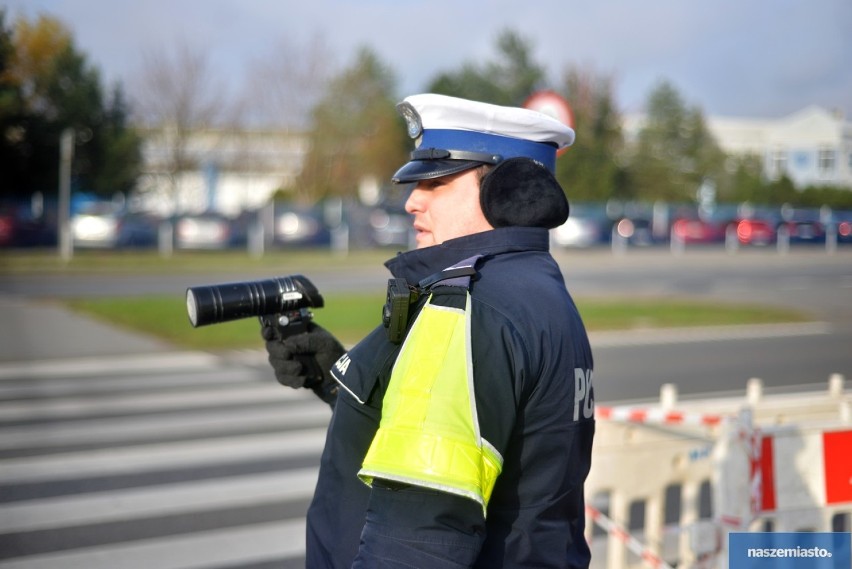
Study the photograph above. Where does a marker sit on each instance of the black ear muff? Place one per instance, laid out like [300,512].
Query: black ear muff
[521,192]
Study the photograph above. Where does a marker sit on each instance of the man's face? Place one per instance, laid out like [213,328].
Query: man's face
[447,207]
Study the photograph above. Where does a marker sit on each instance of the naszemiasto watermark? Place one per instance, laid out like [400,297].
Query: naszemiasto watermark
[796,550]
[788,552]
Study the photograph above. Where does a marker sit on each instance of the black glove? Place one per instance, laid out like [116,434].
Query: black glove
[305,359]
[288,371]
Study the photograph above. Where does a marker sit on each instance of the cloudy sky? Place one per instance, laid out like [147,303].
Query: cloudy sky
[750,58]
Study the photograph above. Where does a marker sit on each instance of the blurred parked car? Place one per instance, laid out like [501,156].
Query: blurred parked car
[297,225]
[390,225]
[753,231]
[695,229]
[20,228]
[636,231]
[103,225]
[804,227]
[587,225]
[207,230]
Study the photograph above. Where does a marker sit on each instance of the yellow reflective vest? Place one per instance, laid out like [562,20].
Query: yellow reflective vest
[429,433]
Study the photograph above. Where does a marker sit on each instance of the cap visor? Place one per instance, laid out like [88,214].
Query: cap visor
[428,169]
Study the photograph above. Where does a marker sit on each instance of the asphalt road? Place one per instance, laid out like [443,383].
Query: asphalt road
[722,361]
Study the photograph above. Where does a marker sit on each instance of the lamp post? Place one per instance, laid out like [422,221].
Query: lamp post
[66,156]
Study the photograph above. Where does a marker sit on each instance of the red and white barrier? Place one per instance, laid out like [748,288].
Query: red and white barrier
[616,531]
[797,469]
[793,474]
[657,416]
[782,462]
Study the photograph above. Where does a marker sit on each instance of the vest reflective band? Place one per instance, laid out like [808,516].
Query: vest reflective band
[429,432]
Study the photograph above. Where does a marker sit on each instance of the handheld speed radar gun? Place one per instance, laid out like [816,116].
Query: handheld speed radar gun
[282,303]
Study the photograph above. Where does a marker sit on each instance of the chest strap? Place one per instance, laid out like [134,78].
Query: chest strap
[457,275]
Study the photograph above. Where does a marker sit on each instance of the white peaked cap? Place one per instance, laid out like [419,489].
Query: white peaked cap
[453,135]
[443,112]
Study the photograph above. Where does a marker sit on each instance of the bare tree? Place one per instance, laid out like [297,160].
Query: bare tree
[285,85]
[177,94]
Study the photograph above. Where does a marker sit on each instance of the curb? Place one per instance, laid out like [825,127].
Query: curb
[655,336]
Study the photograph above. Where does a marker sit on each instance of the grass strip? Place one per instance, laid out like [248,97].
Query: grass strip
[351,316]
[623,314]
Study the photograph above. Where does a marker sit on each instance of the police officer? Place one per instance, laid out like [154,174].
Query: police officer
[462,429]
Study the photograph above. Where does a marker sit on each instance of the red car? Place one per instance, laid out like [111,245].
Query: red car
[696,230]
[754,231]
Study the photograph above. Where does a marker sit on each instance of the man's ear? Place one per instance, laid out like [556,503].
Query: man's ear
[523,193]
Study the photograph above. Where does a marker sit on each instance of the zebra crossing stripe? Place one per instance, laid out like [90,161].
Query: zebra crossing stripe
[73,407]
[153,457]
[136,503]
[127,429]
[86,366]
[241,545]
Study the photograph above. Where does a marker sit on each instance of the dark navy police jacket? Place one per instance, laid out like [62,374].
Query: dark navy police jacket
[532,368]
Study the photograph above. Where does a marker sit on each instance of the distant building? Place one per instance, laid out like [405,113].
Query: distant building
[813,147]
[235,169]
[229,169]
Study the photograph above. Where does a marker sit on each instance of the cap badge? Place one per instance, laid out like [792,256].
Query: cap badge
[412,119]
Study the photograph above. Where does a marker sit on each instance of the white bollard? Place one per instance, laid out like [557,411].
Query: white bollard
[831,238]
[618,242]
[677,243]
[732,241]
[754,391]
[340,240]
[165,239]
[835,385]
[668,396]
[783,240]
[256,239]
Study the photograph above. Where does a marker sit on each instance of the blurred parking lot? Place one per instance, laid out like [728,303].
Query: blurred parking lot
[734,226]
[105,225]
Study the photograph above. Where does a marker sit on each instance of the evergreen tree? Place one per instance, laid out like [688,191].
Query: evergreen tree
[13,121]
[589,170]
[46,86]
[675,152]
[508,80]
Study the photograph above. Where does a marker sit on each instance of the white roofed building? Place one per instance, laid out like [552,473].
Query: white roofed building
[231,169]
[813,147]
[228,170]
